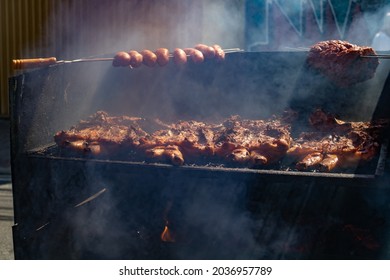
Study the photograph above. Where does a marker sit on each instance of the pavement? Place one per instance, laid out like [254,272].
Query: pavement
[6,200]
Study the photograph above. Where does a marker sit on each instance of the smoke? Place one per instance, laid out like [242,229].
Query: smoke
[211,221]
[105,27]
[89,28]
[209,215]
[224,23]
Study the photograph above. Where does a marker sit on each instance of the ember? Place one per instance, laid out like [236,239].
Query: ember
[167,235]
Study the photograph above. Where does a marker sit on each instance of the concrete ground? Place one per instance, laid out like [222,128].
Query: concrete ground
[6,202]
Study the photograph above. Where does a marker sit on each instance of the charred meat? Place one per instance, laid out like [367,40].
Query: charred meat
[256,142]
[328,144]
[334,143]
[192,139]
[342,62]
[102,134]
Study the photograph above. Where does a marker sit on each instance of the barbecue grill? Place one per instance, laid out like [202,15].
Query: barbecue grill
[69,207]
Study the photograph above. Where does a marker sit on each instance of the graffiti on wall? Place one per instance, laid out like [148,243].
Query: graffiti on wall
[274,23]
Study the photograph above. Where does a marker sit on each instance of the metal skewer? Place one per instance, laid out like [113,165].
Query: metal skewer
[380,56]
[84,60]
[85,201]
[297,48]
[30,63]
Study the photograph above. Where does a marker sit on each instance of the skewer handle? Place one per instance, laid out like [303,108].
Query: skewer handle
[29,63]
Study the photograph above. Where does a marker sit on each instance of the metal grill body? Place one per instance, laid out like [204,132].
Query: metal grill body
[84,208]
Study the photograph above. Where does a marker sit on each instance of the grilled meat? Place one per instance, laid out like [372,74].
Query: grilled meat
[341,62]
[334,143]
[328,144]
[310,160]
[193,139]
[102,134]
[257,142]
[170,153]
[328,163]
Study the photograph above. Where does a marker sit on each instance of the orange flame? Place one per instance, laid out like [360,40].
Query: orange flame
[166,235]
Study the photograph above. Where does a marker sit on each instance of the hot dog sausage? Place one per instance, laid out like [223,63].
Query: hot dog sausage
[149,58]
[162,56]
[179,57]
[219,53]
[121,59]
[136,59]
[207,51]
[196,55]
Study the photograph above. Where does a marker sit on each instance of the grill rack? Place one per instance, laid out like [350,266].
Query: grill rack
[364,174]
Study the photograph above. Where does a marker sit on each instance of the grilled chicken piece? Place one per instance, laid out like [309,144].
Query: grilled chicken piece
[328,163]
[170,153]
[239,155]
[84,147]
[310,161]
[257,142]
[257,158]
[194,139]
[342,144]
[342,63]
[101,134]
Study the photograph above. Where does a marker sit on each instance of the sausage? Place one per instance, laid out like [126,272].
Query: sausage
[207,51]
[179,57]
[136,59]
[219,53]
[196,55]
[162,56]
[149,58]
[121,59]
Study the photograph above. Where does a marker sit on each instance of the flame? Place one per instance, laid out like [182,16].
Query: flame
[167,235]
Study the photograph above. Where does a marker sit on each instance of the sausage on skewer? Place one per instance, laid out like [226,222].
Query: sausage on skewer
[121,59]
[149,58]
[179,57]
[195,55]
[136,59]
[207,51]
[219,53]
[162,56]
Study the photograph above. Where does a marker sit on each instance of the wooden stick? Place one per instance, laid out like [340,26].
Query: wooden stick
[28,63]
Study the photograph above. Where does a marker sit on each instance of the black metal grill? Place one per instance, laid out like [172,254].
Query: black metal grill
[216,212]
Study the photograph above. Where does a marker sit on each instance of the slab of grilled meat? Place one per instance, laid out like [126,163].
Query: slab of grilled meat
[342,62]
[333,143]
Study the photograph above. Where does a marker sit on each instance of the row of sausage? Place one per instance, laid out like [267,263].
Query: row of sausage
[162,56]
